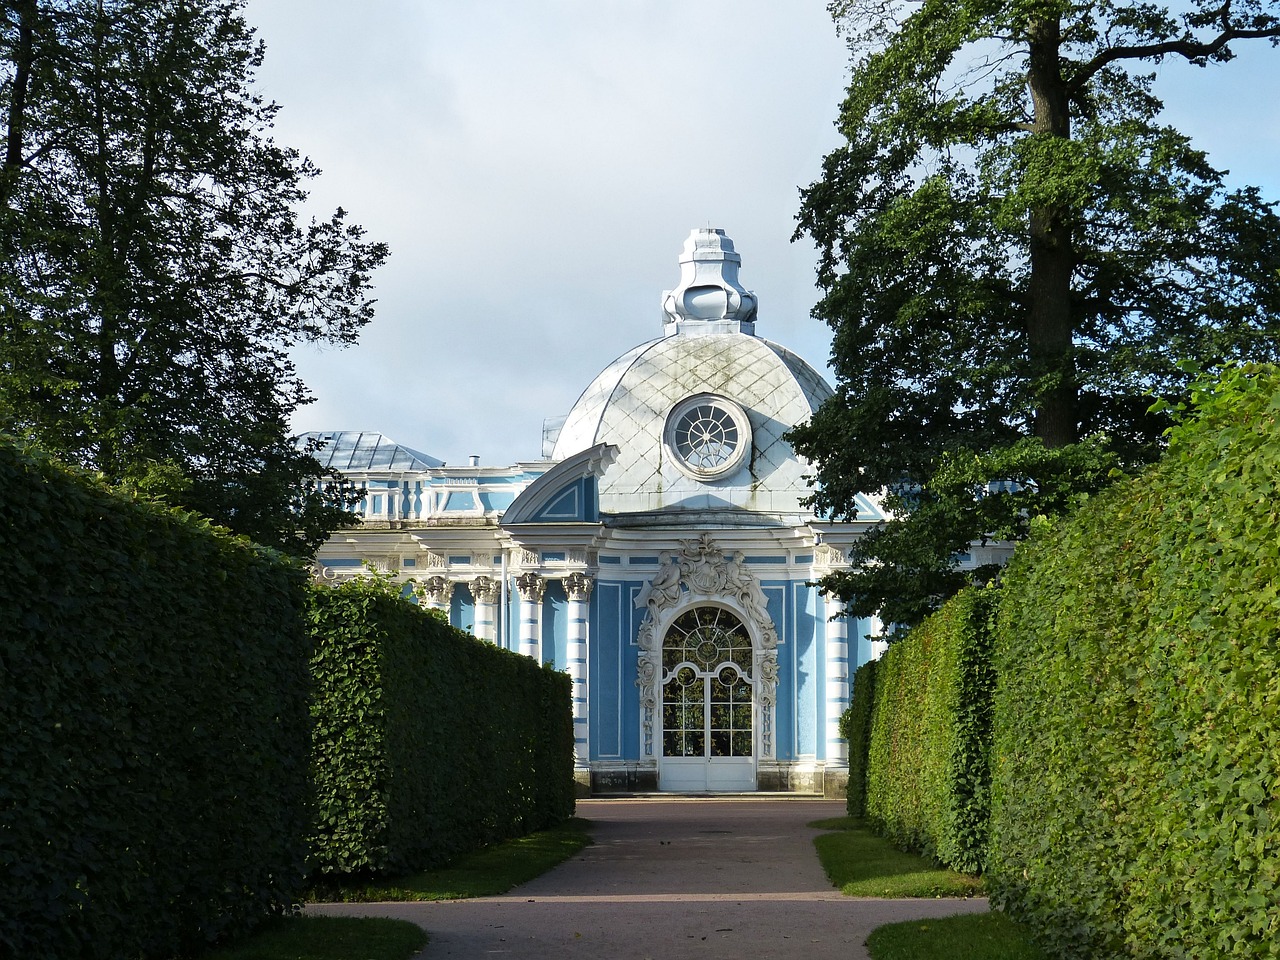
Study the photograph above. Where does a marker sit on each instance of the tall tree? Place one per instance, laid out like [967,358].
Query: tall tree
[1018,258]
[154,271]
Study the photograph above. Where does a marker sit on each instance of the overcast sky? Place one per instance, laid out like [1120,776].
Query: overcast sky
[536,167]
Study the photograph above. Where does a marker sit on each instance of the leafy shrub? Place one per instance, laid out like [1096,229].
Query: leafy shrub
[153,703]
[1137,735]
[427,742]
[855,727]
[928,772]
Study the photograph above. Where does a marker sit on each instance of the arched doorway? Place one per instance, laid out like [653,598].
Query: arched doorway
[708,703]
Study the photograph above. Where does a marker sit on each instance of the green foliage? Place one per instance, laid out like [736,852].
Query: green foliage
[928,764]
[971,936]
[863,864]
[327,938]
[153,699]
[486,872]
[427,742]
[1015,247]
[1138,708]
[855,727]
[940,520]
[154,271]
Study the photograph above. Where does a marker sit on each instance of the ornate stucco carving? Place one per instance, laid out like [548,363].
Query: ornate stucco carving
[435,561]
[482,559]
[528,558]
[437,591]
[577,586]
[484,590]
[825,555]
[531,587]
[322,573]
[700,572]
[663,590]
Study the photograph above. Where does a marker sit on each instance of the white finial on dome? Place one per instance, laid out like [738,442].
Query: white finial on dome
[709,298]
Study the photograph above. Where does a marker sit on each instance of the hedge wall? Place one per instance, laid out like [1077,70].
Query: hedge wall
[855,727]
[928,768]
[1137,741]
[427,742]
[153,709]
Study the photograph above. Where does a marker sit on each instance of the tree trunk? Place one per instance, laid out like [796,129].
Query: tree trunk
[1049,323]
[16,120]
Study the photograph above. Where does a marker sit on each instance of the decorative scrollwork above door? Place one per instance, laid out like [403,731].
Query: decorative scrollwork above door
[699,573]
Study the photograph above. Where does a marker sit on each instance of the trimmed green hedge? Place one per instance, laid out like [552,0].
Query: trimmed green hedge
[928,769]
[855,727]
[153,717]
[428,742]
[1137,741]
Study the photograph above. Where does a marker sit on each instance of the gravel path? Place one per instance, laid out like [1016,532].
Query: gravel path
[670,879]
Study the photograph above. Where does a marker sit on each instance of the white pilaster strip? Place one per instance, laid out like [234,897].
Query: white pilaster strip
[485,593]
[578,588]
[531,588]
[837,669]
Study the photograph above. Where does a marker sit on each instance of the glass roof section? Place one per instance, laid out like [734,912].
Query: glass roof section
[354,451]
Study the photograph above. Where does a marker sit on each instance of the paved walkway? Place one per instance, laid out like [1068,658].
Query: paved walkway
[672,880]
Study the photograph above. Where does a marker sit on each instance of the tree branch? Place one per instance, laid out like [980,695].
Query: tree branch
[1186,48]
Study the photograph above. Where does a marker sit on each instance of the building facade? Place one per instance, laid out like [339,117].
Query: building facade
[661,554]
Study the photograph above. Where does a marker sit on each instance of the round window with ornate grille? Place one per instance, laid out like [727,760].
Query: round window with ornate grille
[708,435]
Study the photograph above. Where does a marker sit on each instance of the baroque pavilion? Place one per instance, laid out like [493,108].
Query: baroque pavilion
[660,553]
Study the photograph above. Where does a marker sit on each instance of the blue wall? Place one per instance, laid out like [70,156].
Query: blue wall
[615,698]
[555,626]
[462,609]
[859,645]
[793,608]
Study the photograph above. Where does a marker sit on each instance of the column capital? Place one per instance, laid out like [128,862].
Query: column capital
[531,587]
[437,591]
[578,586]
[484,589]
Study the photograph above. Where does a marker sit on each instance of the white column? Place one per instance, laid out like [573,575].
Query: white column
[878,647]
[578,588]
[531,588]
[484,590]
[437,592]
[837,669]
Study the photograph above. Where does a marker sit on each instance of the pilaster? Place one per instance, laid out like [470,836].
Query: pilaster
[837,687]
[485,592]
[577,587]
[531,587]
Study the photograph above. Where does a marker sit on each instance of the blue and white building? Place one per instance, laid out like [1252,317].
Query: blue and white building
[661,553]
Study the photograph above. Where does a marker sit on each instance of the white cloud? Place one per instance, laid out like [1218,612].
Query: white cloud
[535,168]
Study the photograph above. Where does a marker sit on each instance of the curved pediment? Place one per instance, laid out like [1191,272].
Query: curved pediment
[566,493]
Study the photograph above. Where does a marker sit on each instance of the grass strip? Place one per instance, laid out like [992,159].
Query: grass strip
[863,864]
[485,873]
[975,936]
[327,938]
